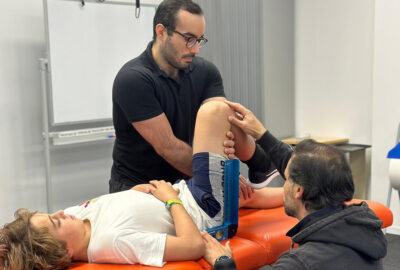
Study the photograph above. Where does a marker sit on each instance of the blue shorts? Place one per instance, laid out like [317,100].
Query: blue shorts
[207,184]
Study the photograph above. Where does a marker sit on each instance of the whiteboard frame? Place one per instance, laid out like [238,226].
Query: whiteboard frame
[49,90]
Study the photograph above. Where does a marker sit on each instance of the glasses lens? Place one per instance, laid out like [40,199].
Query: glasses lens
[191,42]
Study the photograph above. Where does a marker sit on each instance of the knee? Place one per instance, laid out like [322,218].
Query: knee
[215,108]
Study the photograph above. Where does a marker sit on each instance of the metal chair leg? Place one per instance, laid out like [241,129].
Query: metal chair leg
[399,194]
[389,197]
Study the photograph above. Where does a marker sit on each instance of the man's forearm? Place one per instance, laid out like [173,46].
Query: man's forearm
[179,155]
[278,151]
[158,133]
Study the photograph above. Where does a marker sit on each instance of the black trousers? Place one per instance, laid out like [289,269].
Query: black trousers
[116,186]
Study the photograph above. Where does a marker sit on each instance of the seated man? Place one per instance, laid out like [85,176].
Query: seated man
[330,234]
[150,224]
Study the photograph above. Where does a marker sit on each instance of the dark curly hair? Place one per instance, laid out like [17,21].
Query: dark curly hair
[23,246]
[166,13]
[324,173]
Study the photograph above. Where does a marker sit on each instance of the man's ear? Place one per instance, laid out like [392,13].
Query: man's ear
[70,252]
[299,191]
[161,32]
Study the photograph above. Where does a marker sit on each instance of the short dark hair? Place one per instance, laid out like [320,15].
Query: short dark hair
[166,13]
[324,173]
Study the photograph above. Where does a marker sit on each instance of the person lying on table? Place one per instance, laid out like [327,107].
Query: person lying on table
[149,224]
[318,182]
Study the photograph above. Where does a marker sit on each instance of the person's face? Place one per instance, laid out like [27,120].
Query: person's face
[174,49]
[288,194]
[61,226]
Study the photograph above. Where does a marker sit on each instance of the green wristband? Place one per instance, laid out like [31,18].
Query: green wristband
[171,202]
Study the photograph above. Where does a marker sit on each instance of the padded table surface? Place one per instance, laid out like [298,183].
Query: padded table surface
[260,240]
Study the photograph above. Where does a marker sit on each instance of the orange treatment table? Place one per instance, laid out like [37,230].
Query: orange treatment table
[260,240]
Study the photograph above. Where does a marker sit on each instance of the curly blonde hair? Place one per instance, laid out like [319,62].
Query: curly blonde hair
[24,247]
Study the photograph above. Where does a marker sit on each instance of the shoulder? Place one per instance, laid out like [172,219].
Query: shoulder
[136,69]
[134,246]
[204,71]
[134,76]
[101,246]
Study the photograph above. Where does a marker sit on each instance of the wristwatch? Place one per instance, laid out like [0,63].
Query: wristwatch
[225,262]
[222,258]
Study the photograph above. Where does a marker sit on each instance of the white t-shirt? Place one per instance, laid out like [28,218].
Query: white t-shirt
[130,227]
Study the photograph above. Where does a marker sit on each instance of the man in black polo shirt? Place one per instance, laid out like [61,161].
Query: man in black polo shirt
[156,97]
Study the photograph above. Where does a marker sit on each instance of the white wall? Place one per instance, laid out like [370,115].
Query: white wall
[386,100]
[334,45]
[347,78]
[278,66]
[22,178]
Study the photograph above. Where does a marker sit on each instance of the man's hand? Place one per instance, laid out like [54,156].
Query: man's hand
[246,120]
[163,190]
[245,192]
[214,249]
[145,188]
[229,144]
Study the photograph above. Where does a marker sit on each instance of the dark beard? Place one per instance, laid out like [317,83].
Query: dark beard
[170,55]
[290,211]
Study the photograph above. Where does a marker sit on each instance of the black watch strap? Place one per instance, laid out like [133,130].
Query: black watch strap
[222,258]
[224,263]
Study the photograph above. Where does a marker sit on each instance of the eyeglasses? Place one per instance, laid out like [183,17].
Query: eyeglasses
[191,41]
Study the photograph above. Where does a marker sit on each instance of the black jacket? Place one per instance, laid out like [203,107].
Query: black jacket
[349,238]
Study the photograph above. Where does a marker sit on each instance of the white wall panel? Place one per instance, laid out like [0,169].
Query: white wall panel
[386,100]
[334,46]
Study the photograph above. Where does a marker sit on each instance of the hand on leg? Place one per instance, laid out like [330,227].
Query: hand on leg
[214,249]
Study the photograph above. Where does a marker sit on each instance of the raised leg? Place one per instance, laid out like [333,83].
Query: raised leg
[211,128]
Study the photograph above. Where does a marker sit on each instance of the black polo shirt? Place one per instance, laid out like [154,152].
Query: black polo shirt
[142,91]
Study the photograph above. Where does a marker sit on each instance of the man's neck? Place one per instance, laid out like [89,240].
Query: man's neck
[81,251]
[162,63]
[302,213]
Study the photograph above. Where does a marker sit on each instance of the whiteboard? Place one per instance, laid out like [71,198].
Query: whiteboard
[87,45]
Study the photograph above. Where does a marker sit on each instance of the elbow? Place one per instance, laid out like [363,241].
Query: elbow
[199,249]
[196,248]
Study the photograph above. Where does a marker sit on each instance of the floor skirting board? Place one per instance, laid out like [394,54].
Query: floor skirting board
[393,230]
